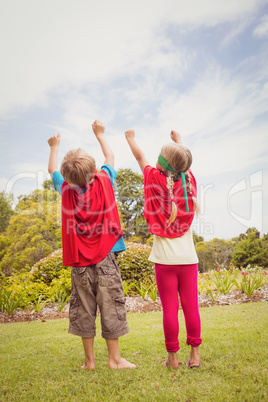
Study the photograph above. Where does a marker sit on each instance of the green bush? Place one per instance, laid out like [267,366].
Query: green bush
[62,284]
[24,285]
[9,301]
[48,268]
[33,231]
[134,264]
[251,251]
[250,282]
[48,281]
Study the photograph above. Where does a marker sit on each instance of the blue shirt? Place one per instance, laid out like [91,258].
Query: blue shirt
[58,180]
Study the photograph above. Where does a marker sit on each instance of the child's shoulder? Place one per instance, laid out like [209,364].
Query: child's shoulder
[150,170]
[112,173]
[152,174]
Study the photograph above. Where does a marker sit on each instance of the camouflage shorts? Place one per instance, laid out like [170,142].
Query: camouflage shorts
[98,285]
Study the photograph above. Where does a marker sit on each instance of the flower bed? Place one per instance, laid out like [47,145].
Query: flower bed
[49,283]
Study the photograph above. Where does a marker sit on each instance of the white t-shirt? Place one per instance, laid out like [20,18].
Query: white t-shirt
[174,251]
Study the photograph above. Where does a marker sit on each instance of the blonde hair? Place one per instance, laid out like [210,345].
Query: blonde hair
[78,167]
[180,159]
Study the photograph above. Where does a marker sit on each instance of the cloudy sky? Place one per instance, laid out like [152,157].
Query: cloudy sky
[199,67]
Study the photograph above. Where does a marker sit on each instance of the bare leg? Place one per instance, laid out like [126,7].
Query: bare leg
[172,360]
[88,344]
[115,361]
[195,356]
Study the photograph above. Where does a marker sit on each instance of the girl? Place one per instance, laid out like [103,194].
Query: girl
[169,208]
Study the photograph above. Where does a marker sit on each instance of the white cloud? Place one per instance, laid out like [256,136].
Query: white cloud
[217,103]
[24,178]
[209,12]
[262,29]
[54,45]
[235,31]
[3,183]
[239,152]
[229,213]
[217,112]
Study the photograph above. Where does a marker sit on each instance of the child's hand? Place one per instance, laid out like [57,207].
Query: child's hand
[175,136]
[98,127]
[54,141]
[130,134]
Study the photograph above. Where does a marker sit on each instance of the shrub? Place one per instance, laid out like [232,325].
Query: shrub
[9,301]
[23,284]
[61,298]
[48,281]
[39,303]
[48,268]
[224,282]
[134,264]
[128,288]
[251,251]
[33,231]
[62,284]
[250,283]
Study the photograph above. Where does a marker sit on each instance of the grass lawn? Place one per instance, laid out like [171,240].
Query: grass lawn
[40,361]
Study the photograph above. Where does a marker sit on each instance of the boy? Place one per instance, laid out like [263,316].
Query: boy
[91,239]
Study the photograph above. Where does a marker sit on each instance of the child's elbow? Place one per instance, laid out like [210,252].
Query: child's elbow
[51,171]
[112,160]
[109,159]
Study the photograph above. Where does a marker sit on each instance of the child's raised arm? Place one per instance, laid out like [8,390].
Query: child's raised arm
[176,137]
[98,129]
[54,143]
[136,150]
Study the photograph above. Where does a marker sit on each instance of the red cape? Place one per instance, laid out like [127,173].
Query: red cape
[157,204]
[90,222]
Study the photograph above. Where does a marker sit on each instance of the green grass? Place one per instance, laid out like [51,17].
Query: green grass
[41,361]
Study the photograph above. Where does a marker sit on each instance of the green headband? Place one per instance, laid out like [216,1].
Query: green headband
[166,166]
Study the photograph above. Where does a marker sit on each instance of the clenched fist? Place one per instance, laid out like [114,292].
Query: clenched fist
[175,136]
[130,134]
[98,127]
[54,141]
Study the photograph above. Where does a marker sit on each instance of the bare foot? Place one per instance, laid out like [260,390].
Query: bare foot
[194,360]
[121,364]
[189,364]
[173,364]
[88,366]
[172,360]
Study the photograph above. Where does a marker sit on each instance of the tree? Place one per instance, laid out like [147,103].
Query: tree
[48,184]
[244,236]
[34,231]
[215,253]
[128,188]
[253,230]
[222,251]
[6,210]
[205,256]
[197,238]
[251,251]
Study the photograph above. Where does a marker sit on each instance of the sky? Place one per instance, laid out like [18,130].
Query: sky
[196,67]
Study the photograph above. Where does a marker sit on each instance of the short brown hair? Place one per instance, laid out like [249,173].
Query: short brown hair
[78,167]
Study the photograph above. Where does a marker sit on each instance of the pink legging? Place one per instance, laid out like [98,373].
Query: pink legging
[170,280]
